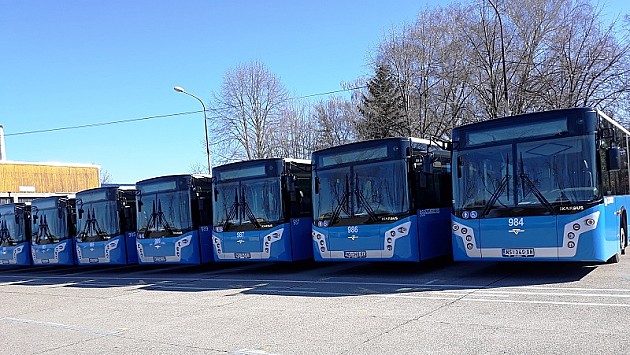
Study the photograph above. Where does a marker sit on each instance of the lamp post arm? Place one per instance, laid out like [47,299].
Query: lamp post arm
[205,125]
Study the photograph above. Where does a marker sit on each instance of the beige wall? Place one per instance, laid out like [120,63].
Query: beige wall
[48,178]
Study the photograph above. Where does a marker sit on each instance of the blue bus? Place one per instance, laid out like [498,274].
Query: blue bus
[174,219]
[15,234]
[53,230]
[382,200]
[262,210]
[106,226]
[549,186]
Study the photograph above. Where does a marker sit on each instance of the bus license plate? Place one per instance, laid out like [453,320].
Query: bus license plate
[159,259]
[93,260]
[354,254]
[243,255]
[4,261]
[518,252]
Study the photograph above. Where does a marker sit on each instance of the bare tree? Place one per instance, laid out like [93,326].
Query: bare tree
[105,177]
[335,121]
[294,136]
[248,108]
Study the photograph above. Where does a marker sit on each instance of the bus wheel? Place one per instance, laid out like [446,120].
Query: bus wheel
[614,259]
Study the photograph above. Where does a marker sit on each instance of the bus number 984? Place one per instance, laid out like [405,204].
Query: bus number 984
[515,222]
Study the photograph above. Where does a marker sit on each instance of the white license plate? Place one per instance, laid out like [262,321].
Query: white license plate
[159,259]
[242,255]
[518,252]
[354,254]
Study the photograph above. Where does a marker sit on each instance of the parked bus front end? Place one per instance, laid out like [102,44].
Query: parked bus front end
[15,234]
[174,214]
[53,230]
[106,226]
[381,200]
[262,211]
[548,186]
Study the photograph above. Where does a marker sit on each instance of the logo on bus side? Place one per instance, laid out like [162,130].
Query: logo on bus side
[516,222]
[516,231]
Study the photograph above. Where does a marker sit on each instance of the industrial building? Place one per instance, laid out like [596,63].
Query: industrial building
[25,181]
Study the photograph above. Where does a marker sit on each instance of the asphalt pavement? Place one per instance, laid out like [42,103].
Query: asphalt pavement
[332,308]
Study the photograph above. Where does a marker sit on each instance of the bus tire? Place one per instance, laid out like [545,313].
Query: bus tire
[614,259]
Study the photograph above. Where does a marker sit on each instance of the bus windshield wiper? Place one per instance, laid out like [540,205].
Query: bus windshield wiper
[157,221]
[362,201]
[527,181]
[504,184]
[233,210]
[248,211]
[92,229]
[344,201]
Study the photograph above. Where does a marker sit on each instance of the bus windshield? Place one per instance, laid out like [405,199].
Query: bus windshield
[536,177]
[362,193]
[49,228]
[97,221]
[164,213]
[252,203]
[11,232]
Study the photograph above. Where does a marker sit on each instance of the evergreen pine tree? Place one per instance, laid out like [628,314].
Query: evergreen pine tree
[382,108]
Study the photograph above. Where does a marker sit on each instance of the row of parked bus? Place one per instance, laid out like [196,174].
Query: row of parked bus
[549,186]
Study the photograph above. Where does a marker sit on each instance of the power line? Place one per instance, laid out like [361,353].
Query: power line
[102,123]
[98,124]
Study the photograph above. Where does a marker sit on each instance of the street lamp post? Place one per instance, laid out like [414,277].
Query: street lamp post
[505,89]
[205,123]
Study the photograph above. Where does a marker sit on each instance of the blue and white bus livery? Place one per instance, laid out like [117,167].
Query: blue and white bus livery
[106,226]
[262,210]
[382,200]
[545,186]
[53,231]
[15,234]
[174,219]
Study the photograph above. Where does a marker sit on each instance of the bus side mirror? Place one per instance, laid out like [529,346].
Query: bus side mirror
[216,194]
[35,219]
[140,206]
[459,164]
[316,182]
[613,158]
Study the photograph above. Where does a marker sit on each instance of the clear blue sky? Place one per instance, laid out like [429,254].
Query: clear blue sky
[73,62]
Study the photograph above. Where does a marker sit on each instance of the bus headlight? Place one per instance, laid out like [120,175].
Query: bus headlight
[464,231]
[322,249]
[576,226]
[571,245]
[455,227]
[218,229]
[469,238]
[321,242]
[469,246]
[402,230]
[571,235]
[590,222]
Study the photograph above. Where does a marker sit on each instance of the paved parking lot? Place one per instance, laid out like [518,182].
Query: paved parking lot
[340,308]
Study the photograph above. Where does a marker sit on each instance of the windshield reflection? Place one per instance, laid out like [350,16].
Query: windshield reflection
[164,214]
[11,233]
[537,176]
[49,227]
[98,221]
[254,203]
[361,193]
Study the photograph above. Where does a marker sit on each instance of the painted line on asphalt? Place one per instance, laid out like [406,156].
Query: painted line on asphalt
[76,328]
